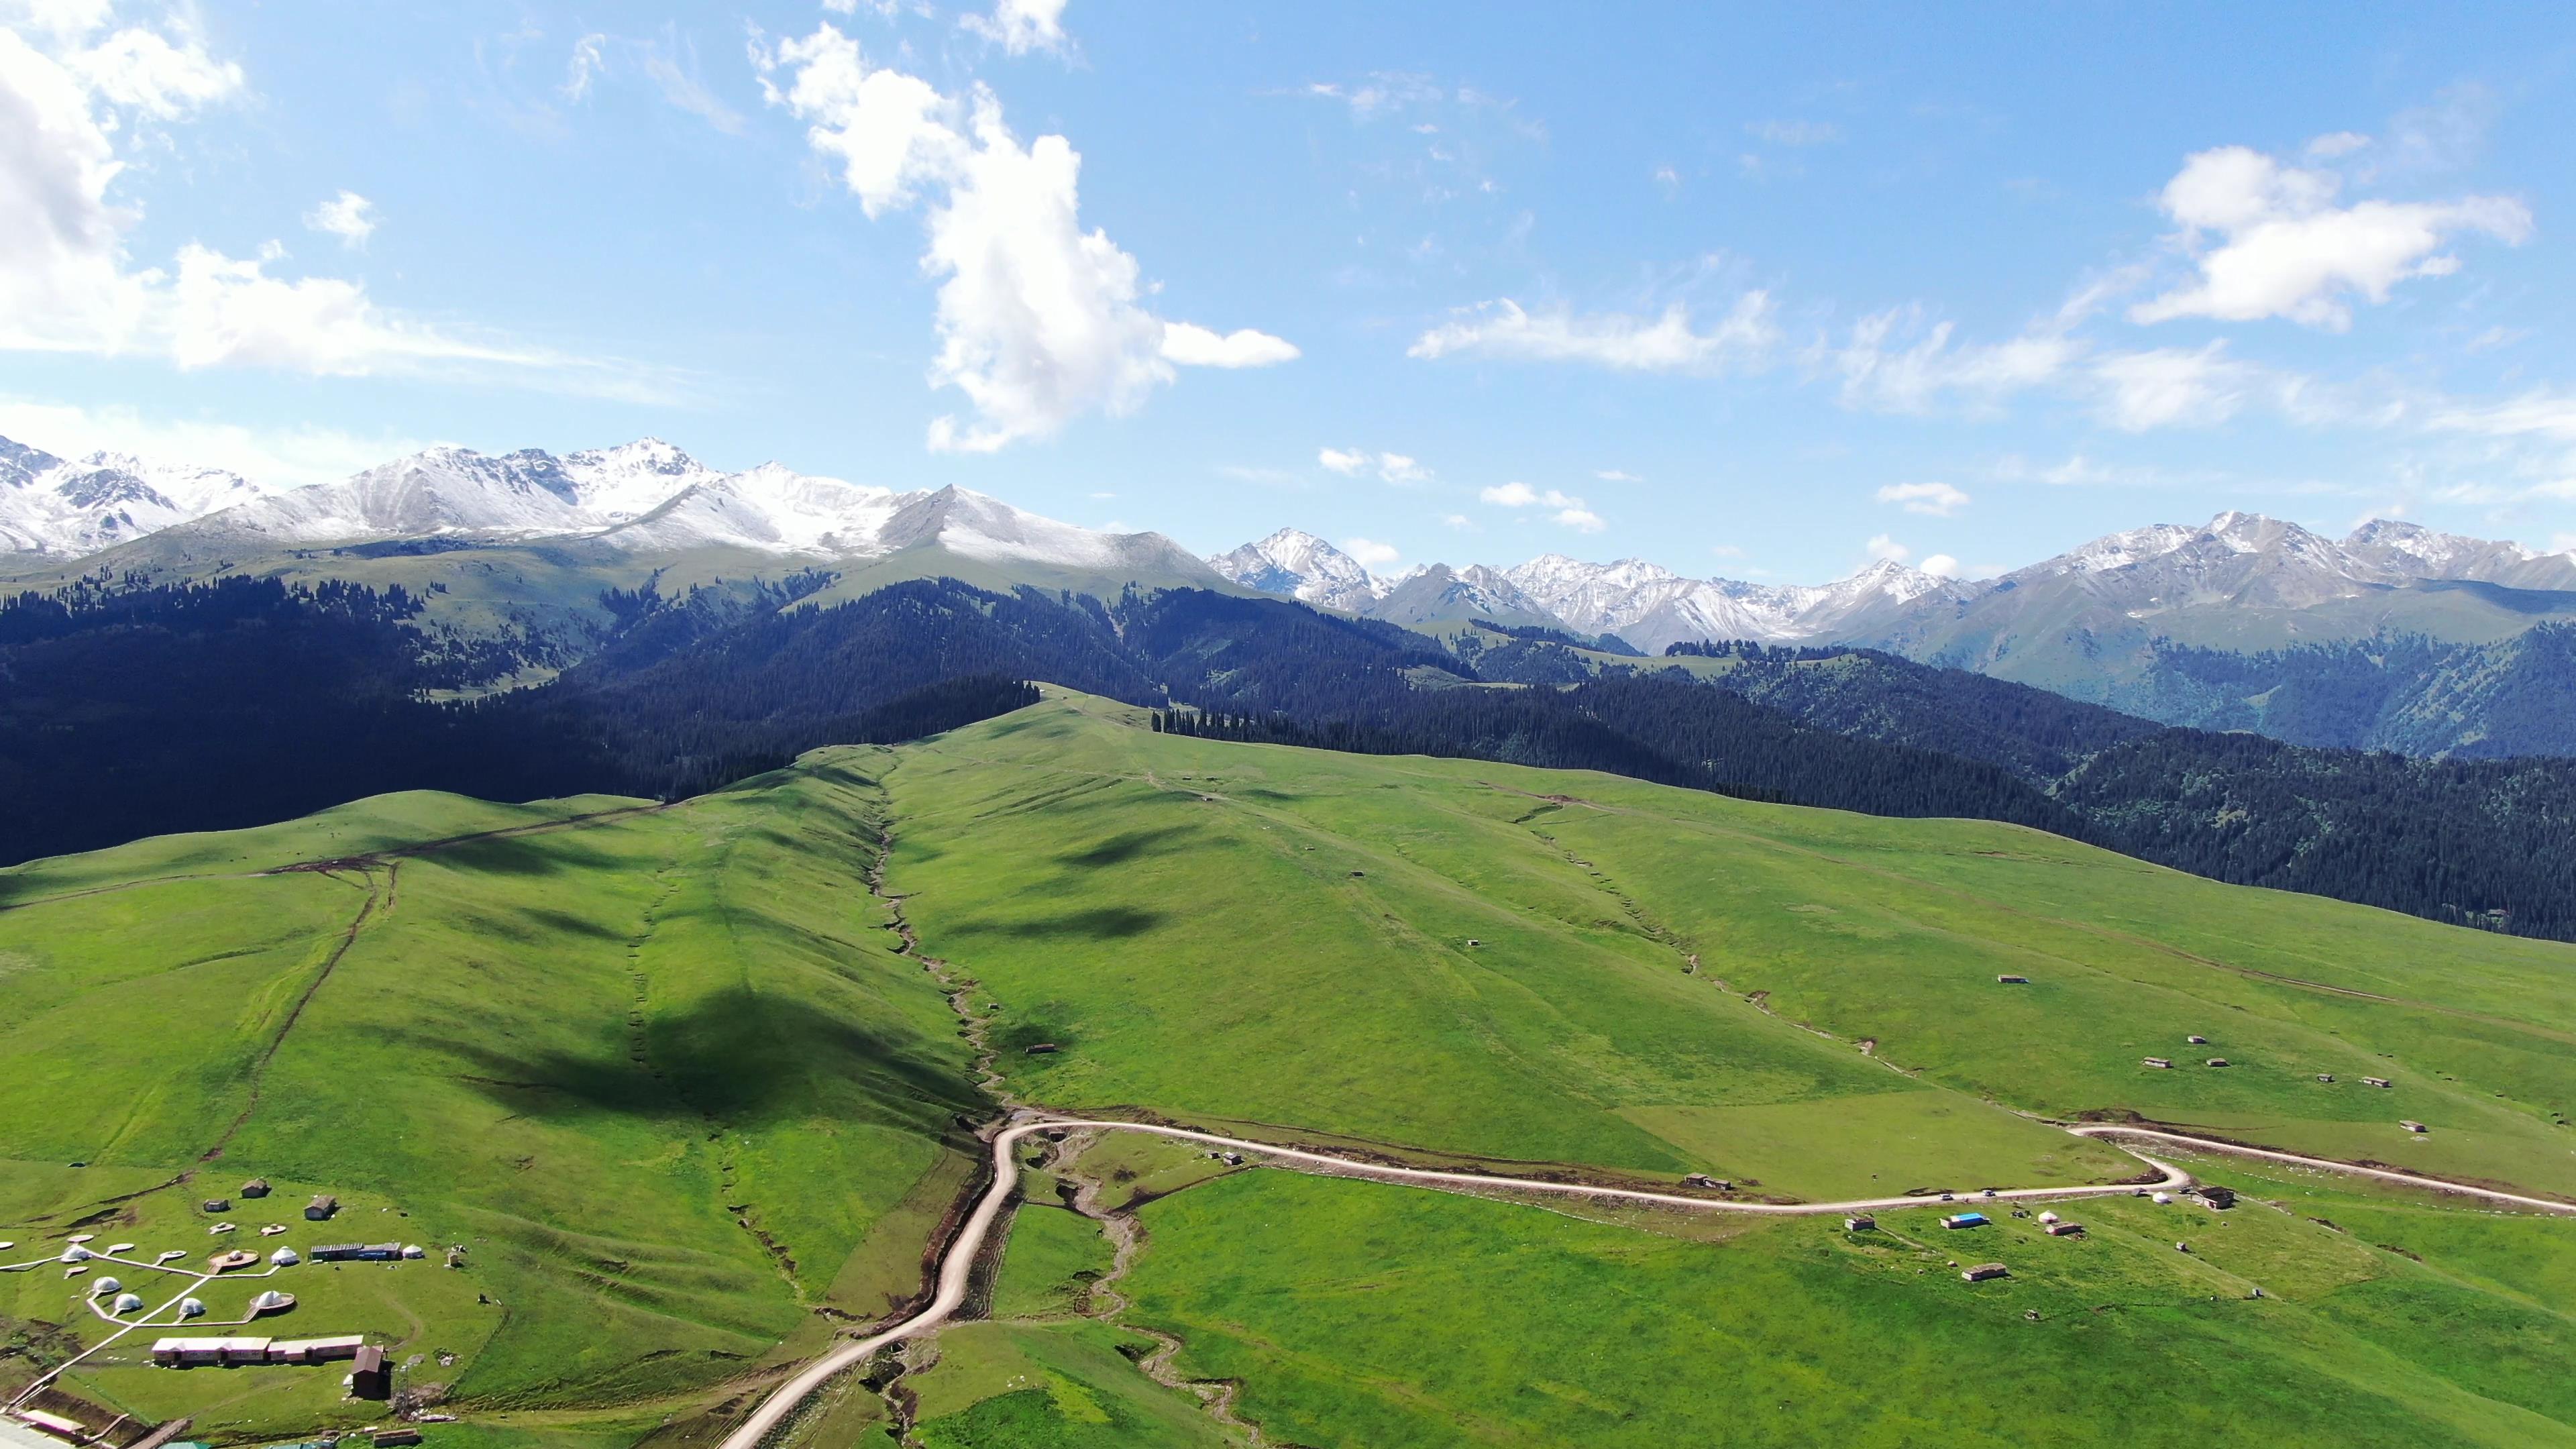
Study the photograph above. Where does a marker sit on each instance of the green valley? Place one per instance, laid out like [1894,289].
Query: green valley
[676,1084]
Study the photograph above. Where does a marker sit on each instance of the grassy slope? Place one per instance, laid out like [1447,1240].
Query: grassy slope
[583,1053]
[1183,918]
[1356,1313]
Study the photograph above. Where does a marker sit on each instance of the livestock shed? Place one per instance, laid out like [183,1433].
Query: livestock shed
[322,1207]
[370,1377]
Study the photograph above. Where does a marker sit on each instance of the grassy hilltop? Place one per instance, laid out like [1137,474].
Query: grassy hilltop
[1668,980]
[659,1070]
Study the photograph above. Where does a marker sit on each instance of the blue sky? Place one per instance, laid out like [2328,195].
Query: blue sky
[1749,292]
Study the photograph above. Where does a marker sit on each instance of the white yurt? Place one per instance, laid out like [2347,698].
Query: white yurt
[128,1303]
[191,1308]
[285,1258]
[104,1285]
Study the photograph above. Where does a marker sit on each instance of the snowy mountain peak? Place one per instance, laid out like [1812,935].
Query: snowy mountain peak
[69,508]
[1296,564]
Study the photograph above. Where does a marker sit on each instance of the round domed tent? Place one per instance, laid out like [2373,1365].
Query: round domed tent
[285,1258]
[128,1303]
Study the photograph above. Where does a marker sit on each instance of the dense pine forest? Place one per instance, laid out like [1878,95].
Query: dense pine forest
[129,709]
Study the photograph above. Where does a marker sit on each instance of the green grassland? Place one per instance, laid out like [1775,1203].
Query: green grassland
[1666,980]
[662,1074]
[1359,1313]
[657,1071]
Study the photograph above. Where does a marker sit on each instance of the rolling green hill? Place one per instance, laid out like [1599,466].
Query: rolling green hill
[660,1071]
[651,1068]
[1268,935]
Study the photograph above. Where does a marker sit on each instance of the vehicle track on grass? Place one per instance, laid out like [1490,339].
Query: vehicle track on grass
[957,1267]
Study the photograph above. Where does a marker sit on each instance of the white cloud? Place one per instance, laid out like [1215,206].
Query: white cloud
[277,457]
[2172,387]
[66,282]
[589,58]
[1793,133]
[1882,369]
[1191,345]
[348,216]
[1941,566]
[1389,467]
[1880,546]
[1725,550]
[1667,343]
[2336,143]
[1020,26]
[1938,500]
[1370,553]
[1458,520]
[1617,475]
[1570,512]
[669,61]
[2284,248]
[1039,321]
[2541,413]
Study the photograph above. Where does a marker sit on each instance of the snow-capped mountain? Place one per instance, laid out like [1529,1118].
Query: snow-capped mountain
[645,497]
[67,509]
[1440,594]
[1298,565]
[2177,579]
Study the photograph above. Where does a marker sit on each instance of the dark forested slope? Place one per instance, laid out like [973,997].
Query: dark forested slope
[133,710]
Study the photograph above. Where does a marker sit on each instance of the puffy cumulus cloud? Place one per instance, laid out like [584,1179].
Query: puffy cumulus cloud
[1191,345]
[74,86]
[1618,340]
[1886,549]
[1389,467]
[1940,566]
[1039,321]
[348,216]
[1020,26]
[1370,553]
[1938,500]
[2172,387]
[1565,510]
[2269,241]
[1897,361]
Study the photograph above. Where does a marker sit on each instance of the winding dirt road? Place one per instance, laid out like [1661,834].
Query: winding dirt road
[958,1266]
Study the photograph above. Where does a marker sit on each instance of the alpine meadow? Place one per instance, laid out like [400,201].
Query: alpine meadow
[1016,724]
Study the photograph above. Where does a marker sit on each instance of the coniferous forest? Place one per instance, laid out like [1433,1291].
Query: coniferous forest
[135,709]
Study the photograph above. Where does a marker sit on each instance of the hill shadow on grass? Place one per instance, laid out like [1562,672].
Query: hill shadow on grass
[743,1057]
[552,853]
[1099,922]
[1134,845]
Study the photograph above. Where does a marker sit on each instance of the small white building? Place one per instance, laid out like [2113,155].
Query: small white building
[285,1258]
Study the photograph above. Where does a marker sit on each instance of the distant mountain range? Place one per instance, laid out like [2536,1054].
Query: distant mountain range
[2240,578]
[2395,636]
